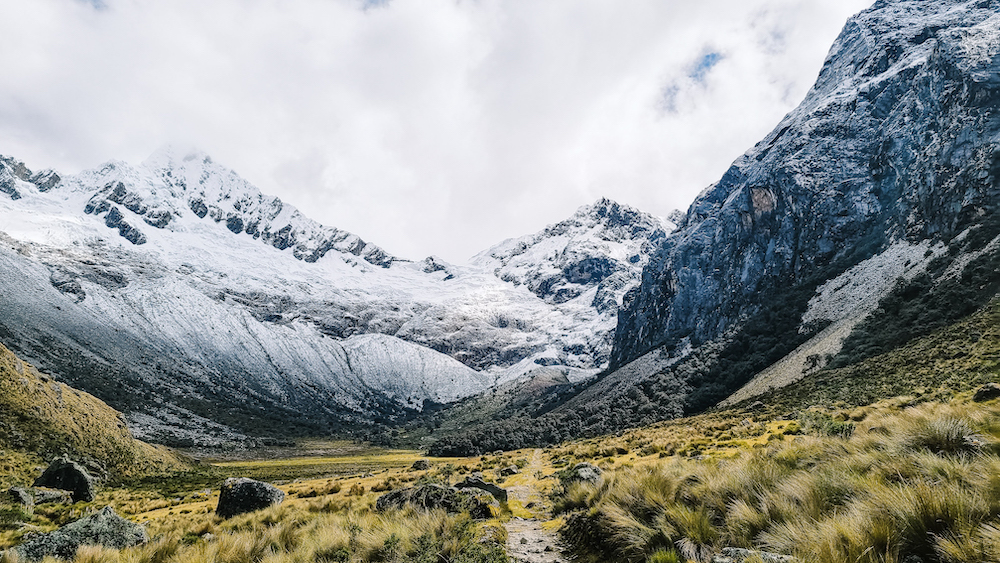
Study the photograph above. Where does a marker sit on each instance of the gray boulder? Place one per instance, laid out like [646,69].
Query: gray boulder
[421,465]
[509,470]
[21,497]
[430,497]
[68,475]
[739,555]
[240,495]
[104,528]
[475,481]
[986,392]
[51,496]
[584,472]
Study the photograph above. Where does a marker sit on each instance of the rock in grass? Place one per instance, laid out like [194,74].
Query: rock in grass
[104,528]
[583,471]
[240,495]
[509,470]
[475,481]
[68,475]
[51,496]
[421,465]
[986,392]
[739,555]
[432,496]
[21,497]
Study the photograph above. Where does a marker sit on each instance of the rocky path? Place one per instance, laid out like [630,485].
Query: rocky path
[528,539]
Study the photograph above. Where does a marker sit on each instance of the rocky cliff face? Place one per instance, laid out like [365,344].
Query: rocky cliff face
[897,142]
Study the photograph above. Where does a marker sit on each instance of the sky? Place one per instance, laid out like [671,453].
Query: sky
[428,127]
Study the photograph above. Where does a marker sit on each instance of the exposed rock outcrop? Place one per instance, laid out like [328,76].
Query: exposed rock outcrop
[104,528]
[476,481]
[68,475]
[433,496]
[240,495]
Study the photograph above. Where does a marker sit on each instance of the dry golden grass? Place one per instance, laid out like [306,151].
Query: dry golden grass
[922,481]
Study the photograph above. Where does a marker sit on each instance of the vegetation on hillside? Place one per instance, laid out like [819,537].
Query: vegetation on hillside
[41,418]
[920,483]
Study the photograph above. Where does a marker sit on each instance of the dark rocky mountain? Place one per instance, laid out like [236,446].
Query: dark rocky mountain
[897,141]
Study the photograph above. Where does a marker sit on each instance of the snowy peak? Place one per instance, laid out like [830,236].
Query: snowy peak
[13,171]
[598,253]
[173,187]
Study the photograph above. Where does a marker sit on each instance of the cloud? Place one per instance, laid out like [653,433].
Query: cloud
[430,127]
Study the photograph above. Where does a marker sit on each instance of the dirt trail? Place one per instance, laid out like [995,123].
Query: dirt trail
[528,540]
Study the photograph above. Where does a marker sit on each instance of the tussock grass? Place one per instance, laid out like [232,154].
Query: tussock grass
[922,482]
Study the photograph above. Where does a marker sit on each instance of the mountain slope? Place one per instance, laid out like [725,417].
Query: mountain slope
[868,217]
[896,144]
[42,418]
[179,293]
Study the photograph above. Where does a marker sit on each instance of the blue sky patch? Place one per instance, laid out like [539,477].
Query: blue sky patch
[707,62]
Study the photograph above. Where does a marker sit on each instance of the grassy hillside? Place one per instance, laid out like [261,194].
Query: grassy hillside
[41,418]
[938,366]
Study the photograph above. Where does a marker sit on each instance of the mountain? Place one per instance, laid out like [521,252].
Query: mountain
[209,312]
[865,219]
[892,156]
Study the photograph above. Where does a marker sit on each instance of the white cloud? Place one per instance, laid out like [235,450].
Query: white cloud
[429,126]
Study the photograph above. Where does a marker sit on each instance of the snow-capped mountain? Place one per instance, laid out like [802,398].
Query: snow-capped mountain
[179,293]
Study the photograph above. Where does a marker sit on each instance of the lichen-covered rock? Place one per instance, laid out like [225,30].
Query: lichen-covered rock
[104,528]
[240,495]
[421,465]
[51,496]
[740,555]
[581,472]
[476,481]
[68,475]
[432,496]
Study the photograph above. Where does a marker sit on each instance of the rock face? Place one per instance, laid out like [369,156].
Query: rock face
[241,495]
[104,528]
[475,481]
[67,475]
[897,141]
[431,497]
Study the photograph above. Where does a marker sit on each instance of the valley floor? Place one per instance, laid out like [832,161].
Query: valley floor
[802,484]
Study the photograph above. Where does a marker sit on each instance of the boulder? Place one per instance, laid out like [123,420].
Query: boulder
[104,528]
[509,470]
[51,496]
[986,392]
[21,497]
[585,472]
[421,465]
[475,481]
[240,495]
[430,497]
[739,555]
[68,475]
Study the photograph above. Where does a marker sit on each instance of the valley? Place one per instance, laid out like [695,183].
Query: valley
[803,366]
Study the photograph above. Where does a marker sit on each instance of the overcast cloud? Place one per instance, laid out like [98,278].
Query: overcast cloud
[425,126]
